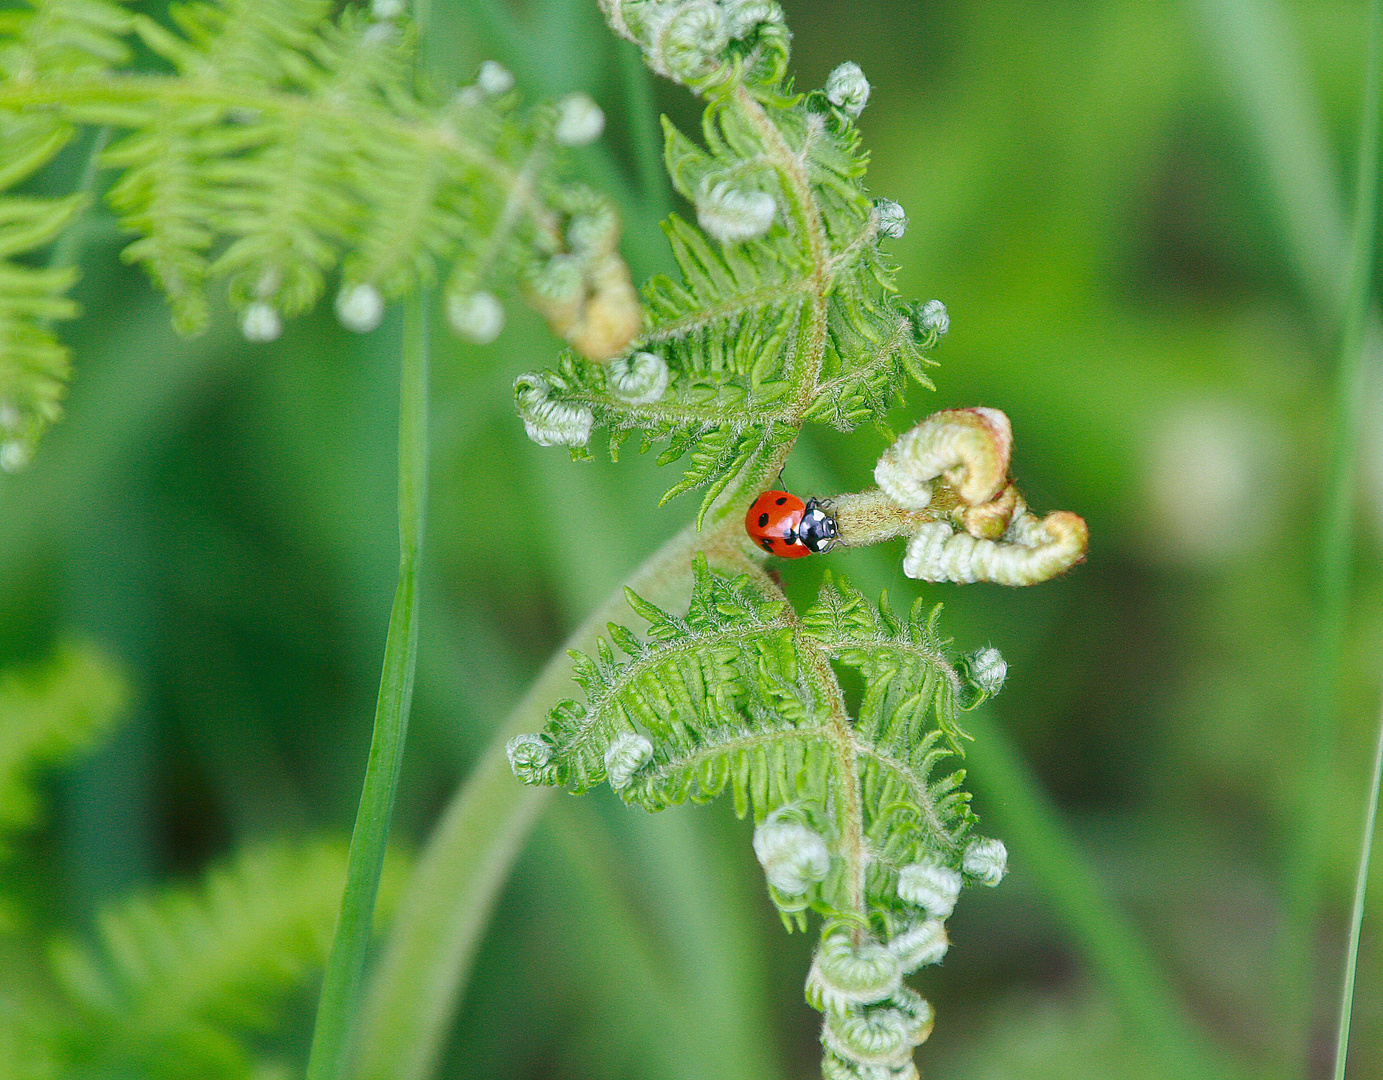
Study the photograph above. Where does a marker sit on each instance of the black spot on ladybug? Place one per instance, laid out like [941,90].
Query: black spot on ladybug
[763,520]
[782,500]
[767,545]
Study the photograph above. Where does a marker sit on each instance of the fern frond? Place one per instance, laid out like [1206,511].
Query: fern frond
[47,715]
[182,975]
[738,695]
[856,817]
[289,143]
[786,311]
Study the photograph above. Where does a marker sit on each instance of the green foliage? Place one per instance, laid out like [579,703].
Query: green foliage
[180,977]
[786,311]
[47,715]
[287,143]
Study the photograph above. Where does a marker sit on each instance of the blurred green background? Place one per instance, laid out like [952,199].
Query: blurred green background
[1137,272]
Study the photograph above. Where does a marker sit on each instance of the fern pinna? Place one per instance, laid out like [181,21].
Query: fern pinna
[860,818]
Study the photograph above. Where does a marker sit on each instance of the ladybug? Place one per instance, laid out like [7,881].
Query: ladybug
[783,525]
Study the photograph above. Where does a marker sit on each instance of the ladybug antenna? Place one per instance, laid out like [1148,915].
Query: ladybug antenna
[782,484]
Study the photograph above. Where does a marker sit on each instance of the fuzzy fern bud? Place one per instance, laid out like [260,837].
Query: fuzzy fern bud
[743,17]
[548,422]
[640,379]
[893,223]
[260,323]
[935,318]
[847,88]
[846,973]
[530,756]
[733,216]
[986,860]
[968,448]
[579,120]
[921,944]
[477,317]
[987,669]
[359,307]
[880,1036]
[930,885]
[494,79]
[1031,550]
[627,754]
[794,856]
[387,9]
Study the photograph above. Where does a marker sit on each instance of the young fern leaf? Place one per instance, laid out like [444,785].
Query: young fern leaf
[182,976]
[856,817]
[786,311]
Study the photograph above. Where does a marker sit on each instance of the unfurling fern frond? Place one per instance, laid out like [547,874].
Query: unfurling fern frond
[856,817]
[46,716]
[786,310]
[181,976]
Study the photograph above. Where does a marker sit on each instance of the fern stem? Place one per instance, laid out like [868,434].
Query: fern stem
[345,966]
[1356,921]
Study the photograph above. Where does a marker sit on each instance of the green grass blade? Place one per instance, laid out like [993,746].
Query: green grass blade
[1335,541]
[1356,922]
[345,966]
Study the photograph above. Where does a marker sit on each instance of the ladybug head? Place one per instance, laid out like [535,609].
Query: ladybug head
[817,530]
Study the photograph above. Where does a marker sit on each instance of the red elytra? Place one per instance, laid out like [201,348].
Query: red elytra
[773,522]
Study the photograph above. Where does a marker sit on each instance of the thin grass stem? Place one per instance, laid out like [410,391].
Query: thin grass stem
[345,966]
[1334,561]
[1356,921]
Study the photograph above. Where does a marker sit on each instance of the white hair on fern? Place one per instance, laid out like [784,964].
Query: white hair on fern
[640,379]
[359,307]
[733,215]
[880,1036]
[794,856]
[847,88]
[627,753]
[893,222]
[260,323]
[930,885]
[921,944]
[494,79]
[986,860]
[548,422]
